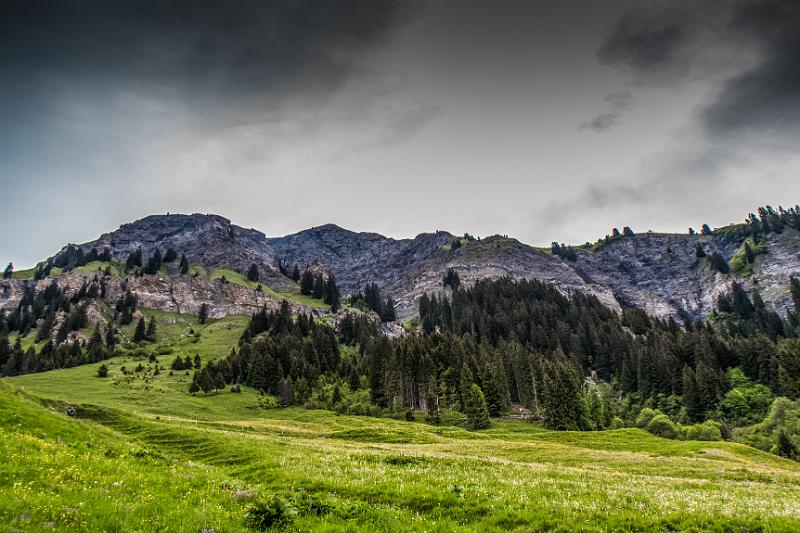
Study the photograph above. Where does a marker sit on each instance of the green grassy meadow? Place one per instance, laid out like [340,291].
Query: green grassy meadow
[143,455]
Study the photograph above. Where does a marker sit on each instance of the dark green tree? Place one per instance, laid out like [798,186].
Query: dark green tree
[170,256]
[140,333]
[252,273]
[9,271]
[475,408]
[154,263]
[102,371]
[388,312]
[184,264]
[202,315]
[705,229]
[150,334]
[307,283]
[295,274]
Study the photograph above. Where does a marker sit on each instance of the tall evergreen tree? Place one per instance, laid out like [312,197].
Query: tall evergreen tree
[140,333]
[307,283]
[9,271]
[202,314]
[150,334]
[705,229]
[184,264]
[154,263]
[296,274]
[252,273]
[475,408]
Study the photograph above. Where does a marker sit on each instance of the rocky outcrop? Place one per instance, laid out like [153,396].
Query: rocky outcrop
[208,240]
[659,273]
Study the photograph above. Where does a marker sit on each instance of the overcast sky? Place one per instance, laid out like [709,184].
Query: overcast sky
[542,120]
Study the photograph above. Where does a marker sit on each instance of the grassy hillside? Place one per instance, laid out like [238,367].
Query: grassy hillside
[144,455]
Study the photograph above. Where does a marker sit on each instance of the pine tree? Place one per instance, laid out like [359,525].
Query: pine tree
[388,312]
[170,256]
[719,264]
[307,283]
[319,287]
[296,274]
[690,399]
[475,408]
[705,229]
[134,259]
[154,264]
[102,372]
[795,289]
[9,271]
[332,294]
[95,348]
[202,315]
[150,334]
[627,231]
[141,331]
[184,264]
[452,279]
[252,273]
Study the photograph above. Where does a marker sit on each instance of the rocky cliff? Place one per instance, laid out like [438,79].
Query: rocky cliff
[660,273]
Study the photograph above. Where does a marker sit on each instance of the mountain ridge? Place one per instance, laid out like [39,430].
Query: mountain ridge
[660,273]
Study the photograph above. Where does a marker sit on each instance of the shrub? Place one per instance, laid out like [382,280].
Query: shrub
[645,416]
[709,430]
[617,423]
[102,372]
[661,426]
[277,511]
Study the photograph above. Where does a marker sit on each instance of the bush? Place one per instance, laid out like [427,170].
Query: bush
[661,426]
[617,423]
[645,416]
[277,511]
[709,430]
[102,372]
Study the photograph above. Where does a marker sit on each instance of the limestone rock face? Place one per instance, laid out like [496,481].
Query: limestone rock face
[209,240]
[659,273]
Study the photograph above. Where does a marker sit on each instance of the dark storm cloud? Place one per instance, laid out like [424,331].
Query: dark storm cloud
[766,97]
[201,48]
[676,41]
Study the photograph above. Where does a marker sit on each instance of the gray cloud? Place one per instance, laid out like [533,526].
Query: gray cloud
[601,122]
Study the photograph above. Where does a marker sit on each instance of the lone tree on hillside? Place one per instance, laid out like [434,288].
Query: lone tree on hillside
[202,315]
[706,229]
[141,331]
[102,372]
[307,283]
[295,274]
[475,408]
[8,271]
[184,265]
[719,264]
[252,273]
[627,231]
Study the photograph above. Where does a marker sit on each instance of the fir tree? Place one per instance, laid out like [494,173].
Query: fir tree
[141,331]
[627,231]
[202,315]
[134,259]
[154,264]
[184,264]
[319,287]
[475,408]
[748,253]
[252,273]
[705,229]
[170,256]
[102,371]
[307,283]
[388,313]
[150,334]
[719,264]
[9,271]
[295,274]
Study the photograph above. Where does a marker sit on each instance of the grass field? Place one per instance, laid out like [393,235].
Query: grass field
[143,455]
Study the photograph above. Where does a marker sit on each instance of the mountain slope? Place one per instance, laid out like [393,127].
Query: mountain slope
[659,273]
